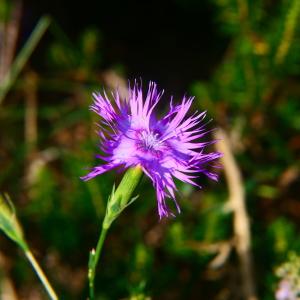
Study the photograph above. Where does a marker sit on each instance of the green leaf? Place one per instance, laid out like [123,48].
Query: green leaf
[9,222]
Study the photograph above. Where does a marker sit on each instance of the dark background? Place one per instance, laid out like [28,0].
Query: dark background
[181,38]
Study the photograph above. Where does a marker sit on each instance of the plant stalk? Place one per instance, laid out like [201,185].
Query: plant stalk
[117,202]
[41,275]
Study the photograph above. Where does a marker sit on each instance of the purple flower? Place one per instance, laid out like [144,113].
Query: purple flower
[286,291]
[167,148]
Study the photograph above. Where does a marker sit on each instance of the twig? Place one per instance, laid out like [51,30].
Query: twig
[31,127]
[10,31]
[23,56]
[241,224]
[222,249]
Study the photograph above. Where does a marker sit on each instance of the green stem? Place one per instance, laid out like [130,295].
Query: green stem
[41,275]
[117,202]
[96,255]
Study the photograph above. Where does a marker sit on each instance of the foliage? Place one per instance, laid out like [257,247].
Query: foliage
[251,90]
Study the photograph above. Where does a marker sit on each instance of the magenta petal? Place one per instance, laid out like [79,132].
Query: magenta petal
[98,171]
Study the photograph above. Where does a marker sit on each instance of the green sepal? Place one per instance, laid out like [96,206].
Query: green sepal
[120,198]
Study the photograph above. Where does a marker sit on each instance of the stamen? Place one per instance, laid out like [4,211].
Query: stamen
[149,140]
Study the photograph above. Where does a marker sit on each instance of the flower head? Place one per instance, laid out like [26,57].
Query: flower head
[170,147]
[286,291]
[289,285]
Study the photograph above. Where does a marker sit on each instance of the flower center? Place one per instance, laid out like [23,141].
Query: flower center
[149,140]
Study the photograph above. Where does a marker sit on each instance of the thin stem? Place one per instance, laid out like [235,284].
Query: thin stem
[41,275]
[117,202]
[95,258]
[290,26]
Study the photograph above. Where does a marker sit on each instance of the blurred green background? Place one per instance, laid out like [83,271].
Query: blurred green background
[241,59]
